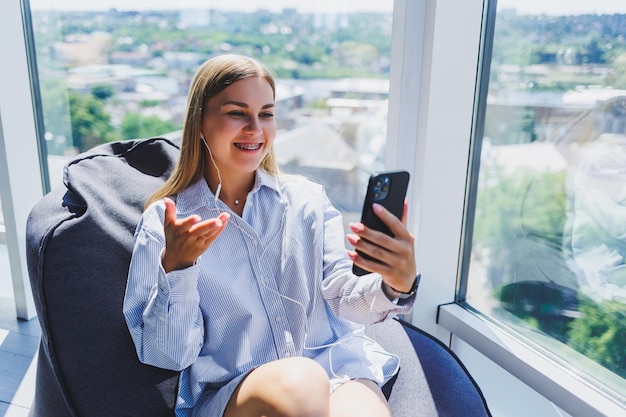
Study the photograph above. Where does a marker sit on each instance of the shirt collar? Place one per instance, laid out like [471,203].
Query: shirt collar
[199,194]
[265,179]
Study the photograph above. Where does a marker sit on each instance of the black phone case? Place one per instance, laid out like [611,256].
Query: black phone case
[394,202]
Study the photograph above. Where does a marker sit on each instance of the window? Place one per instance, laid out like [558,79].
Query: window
[121,70]
[2,236]
[547,235]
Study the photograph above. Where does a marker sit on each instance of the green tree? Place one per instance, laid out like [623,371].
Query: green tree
[594,49]
[102,91]
[56,119]
[618,78]
[89,121]
[600,334]
[519,222]
[136,126]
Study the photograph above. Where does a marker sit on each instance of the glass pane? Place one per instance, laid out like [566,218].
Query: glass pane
[2,229]
[548,254]
[108,72]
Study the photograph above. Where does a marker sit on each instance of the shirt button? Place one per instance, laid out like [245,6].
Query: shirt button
[278,319]
[287,354]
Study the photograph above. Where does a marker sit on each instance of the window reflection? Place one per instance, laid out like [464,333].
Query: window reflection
[549,236]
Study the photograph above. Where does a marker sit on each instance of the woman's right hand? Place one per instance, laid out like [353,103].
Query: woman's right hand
[186,239]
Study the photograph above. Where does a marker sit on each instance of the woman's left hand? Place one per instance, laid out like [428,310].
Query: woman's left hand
[394,257]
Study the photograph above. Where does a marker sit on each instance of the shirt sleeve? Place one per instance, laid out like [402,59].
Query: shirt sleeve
[356,298]
[161,309]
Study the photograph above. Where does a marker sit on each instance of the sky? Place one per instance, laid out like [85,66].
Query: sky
[562,7]
[551,7]
[246,5]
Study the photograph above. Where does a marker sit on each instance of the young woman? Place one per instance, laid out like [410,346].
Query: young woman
[240,278]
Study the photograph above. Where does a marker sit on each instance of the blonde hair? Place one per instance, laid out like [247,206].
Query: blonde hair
[213,77]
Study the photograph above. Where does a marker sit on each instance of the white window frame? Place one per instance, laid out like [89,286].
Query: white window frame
[20,173]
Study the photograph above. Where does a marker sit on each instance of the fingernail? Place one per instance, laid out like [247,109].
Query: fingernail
[356,227]
[377,207]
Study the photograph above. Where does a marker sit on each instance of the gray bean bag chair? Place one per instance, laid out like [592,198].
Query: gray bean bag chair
[79,241]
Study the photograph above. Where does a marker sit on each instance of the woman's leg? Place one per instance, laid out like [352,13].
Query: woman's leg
[291,387]
[360,398]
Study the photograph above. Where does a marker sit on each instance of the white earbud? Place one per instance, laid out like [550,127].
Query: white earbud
[219,177]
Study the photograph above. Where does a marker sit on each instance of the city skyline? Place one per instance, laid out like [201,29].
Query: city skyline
[328,6]
[562,7]
[553,7]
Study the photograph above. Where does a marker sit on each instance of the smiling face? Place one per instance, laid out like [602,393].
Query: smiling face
[239,127]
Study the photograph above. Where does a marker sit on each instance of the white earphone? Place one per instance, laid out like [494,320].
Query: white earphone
[219,177]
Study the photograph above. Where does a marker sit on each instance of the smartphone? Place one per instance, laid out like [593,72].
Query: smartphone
[387,188]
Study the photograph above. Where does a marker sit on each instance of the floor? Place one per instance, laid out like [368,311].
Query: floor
[19,341]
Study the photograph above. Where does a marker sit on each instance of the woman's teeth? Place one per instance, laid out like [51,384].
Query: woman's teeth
[248,146]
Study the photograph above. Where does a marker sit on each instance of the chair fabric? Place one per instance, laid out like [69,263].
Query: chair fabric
[79,242]
[453,390]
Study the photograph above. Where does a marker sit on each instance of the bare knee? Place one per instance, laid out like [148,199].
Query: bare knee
[303,386]
[359,398]
[292,387]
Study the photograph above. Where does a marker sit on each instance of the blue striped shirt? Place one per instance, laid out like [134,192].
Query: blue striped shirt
[276,283]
